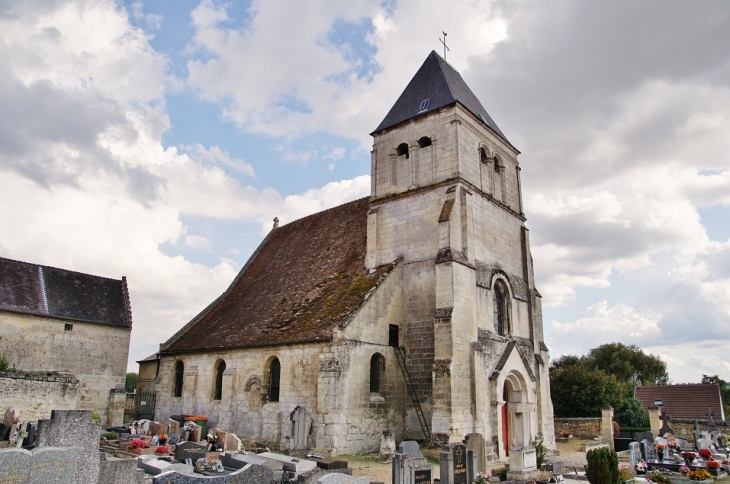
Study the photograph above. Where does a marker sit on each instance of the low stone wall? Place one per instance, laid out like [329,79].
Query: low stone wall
[584,428]
[685,427]
[35,394]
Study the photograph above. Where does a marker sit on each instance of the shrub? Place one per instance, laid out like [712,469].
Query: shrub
[95,416]
[658,478]
[111,435]
[602,466]
[540,450]
[501,473]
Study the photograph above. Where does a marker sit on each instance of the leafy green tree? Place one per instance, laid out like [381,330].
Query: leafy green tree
[629,364]
[724,390]
[131,382]
[581,392]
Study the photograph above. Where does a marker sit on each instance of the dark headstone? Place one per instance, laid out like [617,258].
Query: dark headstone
[190,450]
[666,429]
[29,442]
[422,476]
[329,464]
[639,436]
[460,462]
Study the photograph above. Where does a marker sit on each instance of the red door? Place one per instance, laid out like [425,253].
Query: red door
[505,429]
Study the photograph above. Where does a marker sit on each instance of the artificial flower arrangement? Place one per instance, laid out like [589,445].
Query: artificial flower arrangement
[660,446]
[625,473]
[162,449]
[137,444]
[641,466]
[689,456]
[673,445]
[481,478]
[699,475]
[711,464]
[684,470]
[566,433]
[706,454]
[658,477]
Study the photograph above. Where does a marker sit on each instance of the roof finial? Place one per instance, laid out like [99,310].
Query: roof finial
[276,222]
[444,42]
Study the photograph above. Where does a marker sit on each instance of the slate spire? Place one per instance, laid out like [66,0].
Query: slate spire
[440,84]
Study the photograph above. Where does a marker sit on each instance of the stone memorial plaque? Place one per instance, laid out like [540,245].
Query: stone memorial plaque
[190,450]
[422,476]
[15,465]
[529,459]
[459,452]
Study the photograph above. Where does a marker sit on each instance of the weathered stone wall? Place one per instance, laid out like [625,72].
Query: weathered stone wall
[147,375]
[685,427]
[584,428]
[35,395]
[95,354]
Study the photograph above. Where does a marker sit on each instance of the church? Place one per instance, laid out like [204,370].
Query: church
[413,309]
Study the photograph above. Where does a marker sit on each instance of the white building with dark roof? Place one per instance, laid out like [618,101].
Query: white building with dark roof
[414,309]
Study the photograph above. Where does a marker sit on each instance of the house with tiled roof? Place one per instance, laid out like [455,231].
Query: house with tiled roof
[686,401]
[62,321]
[413,309]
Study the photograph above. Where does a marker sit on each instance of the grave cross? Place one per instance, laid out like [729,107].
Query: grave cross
[444,42]
[710,422]
[666,429]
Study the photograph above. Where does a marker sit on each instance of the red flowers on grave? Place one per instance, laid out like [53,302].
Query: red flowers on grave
[137,444]
[711,464]
[673,445]
[706,454]
[660,446]
[689,457]
[162,449]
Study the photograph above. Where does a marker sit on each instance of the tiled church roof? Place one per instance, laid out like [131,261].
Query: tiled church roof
[683,401]
[442,85]
[306,278]
[59,293]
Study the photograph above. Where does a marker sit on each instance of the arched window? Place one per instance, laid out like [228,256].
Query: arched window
[499,180]
[377,372]
[403,149]
[483,155]
[179,371]
[274,379]
[499,303]
[220,368]
[423,142]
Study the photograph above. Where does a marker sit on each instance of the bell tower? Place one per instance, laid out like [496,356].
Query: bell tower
[446,200]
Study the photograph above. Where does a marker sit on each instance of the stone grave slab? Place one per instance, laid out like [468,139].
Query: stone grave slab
[301,465]
[411,448]
[634,455]
[331,464]
[74,428]
[238,461]
[15,465]
[251,474]
[476,443]
[117,471]
[232,443]
[407,470]
[190,450]
[153,466]
[336,478]
[54,465]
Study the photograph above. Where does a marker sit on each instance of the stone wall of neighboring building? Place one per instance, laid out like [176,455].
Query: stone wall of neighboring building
[36,394]
[583,428]
[95,354]
[147,375]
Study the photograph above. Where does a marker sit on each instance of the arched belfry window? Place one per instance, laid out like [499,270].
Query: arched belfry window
[220,368]
[274,380]
[377,372]
[423,142]
[403,149]
[483,155]
[499,303]
[179,371]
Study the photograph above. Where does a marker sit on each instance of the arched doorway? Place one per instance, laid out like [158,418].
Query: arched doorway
[515,416]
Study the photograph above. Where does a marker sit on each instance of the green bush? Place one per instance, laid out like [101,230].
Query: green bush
[540,450]
[5,365]
[111,435]
[501,473]
[602,466]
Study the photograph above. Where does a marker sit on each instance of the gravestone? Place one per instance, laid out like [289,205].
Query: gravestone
[342,479]
[171,426]
[704,443]
[666,429]
[408,470]
[651,453]
[460,464]
[301,425]
[155,428]
[232,443]
[195,434]
[173,439]
[411,448]
[31,431]
[190,450]
[639,436]
[153,465]
[297,465]
[634,455]
[120,471]
[238,461]
[221,437]
[476,443]
[15,465]
[387,446]
[251,474]
[74,428]
[54,465]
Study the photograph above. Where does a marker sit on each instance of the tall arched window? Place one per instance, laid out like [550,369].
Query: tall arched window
[377,372]
[483,155]
[499,303]
[179,371]
[220,368]
[274,380]
[403,149]
[423,142]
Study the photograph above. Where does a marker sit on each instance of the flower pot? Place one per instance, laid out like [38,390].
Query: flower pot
[660,453]
[163,441]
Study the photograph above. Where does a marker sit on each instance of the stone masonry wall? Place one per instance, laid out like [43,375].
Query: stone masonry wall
[685,427]
[96,354]
[584,428]
[36,395]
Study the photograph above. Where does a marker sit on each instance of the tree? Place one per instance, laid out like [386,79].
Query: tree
[578,391]
[131,382]
[724,390]
[629,364]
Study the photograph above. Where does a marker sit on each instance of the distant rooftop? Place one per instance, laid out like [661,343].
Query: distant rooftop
[435,85]
[59,293]
[690,401]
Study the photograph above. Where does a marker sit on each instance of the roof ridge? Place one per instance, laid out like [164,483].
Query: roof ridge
[44,266]
[321,212]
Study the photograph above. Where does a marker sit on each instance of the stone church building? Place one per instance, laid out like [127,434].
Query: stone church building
[413,309]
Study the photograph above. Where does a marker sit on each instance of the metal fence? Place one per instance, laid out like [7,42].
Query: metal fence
[633,422]
[139,405]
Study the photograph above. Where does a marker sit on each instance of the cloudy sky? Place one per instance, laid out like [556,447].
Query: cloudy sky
[158,140]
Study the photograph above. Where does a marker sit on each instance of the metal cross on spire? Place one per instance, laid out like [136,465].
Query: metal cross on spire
[444,42]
